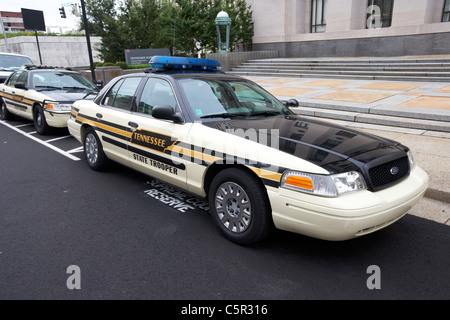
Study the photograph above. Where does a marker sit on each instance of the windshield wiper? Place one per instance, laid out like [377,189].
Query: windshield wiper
[222,115]
[47,87]
[89,93]
[265,113]
[77,88]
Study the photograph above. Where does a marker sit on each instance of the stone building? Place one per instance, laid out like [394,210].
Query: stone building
[351,28]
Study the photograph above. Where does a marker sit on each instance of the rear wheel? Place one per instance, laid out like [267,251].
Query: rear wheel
[239,206]
[4,113]
[93,151]
[40,124]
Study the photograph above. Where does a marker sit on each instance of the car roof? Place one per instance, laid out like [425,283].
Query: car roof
[52,70]
[13,54]
[184,75]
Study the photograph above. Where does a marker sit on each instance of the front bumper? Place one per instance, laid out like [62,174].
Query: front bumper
[347,216]
[57,119]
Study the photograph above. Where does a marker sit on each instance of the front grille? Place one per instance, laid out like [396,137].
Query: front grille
[387,173]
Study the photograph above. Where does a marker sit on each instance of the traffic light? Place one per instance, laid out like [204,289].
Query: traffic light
[62,12]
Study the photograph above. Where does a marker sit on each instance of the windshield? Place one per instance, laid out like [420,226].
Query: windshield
[11,63]
[228,98]
[61,80]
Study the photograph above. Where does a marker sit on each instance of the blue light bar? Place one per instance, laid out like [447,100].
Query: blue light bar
[164,63]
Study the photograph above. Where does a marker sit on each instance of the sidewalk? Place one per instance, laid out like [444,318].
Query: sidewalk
[413,113]
[414,105]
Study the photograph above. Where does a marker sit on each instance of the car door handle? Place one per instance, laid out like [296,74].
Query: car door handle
[99,115]
[133,124]
[13,92]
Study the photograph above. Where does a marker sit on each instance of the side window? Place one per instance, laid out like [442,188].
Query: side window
[157,92]
[23,77]
[13,79]
[122,93]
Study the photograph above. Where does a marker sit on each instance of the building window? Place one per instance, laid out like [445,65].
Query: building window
[379,13]
[318,16]
[446,14]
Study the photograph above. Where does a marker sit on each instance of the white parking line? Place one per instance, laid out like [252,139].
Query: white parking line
[79,149]
[32,132]
[59,138]
[24,125]
[48,145]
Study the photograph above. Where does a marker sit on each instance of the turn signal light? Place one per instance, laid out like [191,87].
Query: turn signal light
[300,182]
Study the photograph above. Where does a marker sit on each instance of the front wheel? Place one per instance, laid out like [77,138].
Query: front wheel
[239,206]
[40,124]
[93,151]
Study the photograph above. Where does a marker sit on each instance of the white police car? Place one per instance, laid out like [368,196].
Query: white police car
[10,62]
[44,95]
[260,165]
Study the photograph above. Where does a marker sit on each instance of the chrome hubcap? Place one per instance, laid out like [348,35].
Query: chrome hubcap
[39,119]
[91,147]
[233,207]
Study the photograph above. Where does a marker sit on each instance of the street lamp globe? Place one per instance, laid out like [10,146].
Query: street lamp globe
[223,19]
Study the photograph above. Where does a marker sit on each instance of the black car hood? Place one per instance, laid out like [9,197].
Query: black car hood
[68,96]
[332,147]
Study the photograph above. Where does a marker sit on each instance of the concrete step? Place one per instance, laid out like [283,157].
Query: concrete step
[259,67]
[426,69]
[378,119]
[339,65]
[400,73]
[342,76]
[353,61]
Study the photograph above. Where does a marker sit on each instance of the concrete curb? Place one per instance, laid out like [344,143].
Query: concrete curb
[438,195]
[371,118]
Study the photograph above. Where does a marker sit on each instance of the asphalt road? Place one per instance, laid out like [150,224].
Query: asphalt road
[56,213]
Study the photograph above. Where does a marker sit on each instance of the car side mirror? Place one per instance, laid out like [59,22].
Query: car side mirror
[166,112]
[292,103]
[21,85]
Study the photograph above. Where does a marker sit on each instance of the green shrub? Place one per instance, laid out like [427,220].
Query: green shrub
[141,66]
[122,64]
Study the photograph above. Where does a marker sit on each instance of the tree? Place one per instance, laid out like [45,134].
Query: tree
[102,21]
[184,26]
[242,24]
[139,23]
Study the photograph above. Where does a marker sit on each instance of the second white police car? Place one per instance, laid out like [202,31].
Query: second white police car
[44,95]
[258,163]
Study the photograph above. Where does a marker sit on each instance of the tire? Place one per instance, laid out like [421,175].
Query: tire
[40,124]
[240,207]
[93,151]
[4,113]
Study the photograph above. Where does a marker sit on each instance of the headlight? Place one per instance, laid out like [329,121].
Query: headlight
[324,185]
[411,159]
[55,106]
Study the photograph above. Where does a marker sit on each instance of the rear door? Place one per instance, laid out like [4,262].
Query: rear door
[15,98]
[155,144]
[112,120]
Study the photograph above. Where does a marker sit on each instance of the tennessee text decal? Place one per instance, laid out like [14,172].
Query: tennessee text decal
[152,140]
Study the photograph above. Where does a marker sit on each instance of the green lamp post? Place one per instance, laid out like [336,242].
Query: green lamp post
[223,19]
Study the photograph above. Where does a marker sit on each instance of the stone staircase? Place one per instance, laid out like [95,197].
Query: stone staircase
[386,69]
